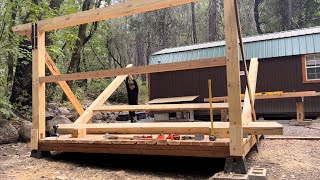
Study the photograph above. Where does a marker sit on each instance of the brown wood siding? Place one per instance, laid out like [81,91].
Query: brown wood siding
[275,74]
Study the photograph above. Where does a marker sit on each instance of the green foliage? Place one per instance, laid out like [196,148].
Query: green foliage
[5,106]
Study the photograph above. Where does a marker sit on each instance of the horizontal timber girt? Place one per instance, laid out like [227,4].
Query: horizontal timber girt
[162,107]
[274,96]
[221,129]
[109,12]
[194,64]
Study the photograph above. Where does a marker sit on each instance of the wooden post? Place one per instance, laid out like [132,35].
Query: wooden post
[233,79]
[38,89]
[300,111]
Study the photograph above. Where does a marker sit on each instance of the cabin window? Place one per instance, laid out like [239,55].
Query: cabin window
[312,68]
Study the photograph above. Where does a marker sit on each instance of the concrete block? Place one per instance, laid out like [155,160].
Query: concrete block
[229,176]
[161,116]
[257,174]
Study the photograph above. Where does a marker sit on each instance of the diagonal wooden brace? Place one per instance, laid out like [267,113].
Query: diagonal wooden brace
[252,77]
[63,84]
[88,113]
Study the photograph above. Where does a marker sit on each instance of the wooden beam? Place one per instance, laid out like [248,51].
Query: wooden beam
[317,138]
[109,12]
[161,107]
[63,84]
[194,64]
[251,101]
[233,78]
[251,140]
[142,149]
[65,87]
[267,96]
[173,100]
[34,139]
[88,113]
[79,133]
[300,111]
[221,129]
[38,89]
[252,78]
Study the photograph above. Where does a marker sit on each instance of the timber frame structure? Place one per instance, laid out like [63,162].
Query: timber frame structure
[234,138]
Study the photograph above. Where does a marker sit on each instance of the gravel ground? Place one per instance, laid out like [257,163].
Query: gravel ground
[290,130]
[284,159]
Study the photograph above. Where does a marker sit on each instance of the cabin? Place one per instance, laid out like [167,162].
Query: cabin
[288,62]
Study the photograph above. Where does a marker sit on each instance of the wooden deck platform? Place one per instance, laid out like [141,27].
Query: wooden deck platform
[96,143]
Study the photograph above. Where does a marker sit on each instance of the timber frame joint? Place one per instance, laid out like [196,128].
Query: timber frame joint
[34,35]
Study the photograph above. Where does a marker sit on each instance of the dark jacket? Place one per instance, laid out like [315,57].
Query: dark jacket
[132,94]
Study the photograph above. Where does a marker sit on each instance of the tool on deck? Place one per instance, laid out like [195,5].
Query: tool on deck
[173,137]
[161,137]
[211,136]
[199,137]
[114,137]
[110,136]
[55,134]
[187,137]
[142,137]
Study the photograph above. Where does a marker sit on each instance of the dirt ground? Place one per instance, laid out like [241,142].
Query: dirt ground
[284,159]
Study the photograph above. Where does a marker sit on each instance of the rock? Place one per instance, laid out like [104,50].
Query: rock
[55,121]
[113,116]
[105,116]
[97,116]
[72,116]
[25,131]
[61,178]
[52,106]
[49,115]
[8,133]
[64,110]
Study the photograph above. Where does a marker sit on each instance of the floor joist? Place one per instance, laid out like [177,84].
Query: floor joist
[221,129]
[161,107]
[178,66]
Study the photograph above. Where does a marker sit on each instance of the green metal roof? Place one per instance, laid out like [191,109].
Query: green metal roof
[287,43]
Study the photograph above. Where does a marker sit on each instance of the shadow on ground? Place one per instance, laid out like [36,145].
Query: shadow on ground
[175,167]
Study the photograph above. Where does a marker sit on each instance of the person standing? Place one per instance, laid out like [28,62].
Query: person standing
[133,92]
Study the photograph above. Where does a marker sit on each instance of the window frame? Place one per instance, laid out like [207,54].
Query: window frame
[304,69]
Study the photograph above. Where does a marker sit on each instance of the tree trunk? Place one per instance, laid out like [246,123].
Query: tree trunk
[257,16]
[213,20]
[50,87]
[286,14]
[289,15]
[194,27]
[21,94]
[10,61]
[76,55]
